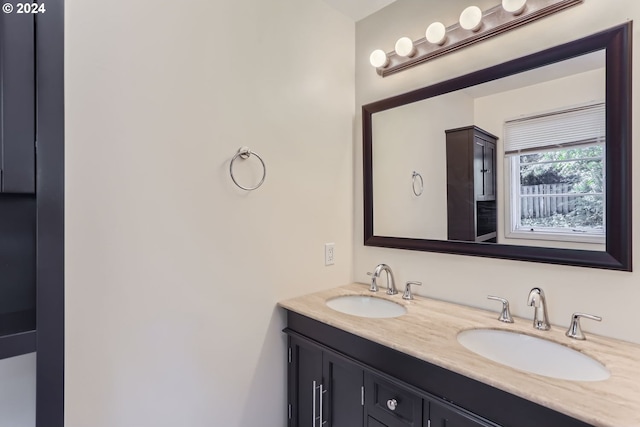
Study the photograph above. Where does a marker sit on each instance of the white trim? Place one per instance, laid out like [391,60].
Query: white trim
[557,236]
[512,211]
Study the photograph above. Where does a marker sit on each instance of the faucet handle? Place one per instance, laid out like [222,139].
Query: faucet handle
[374,285]
[505,314]
[574,330]
[407,290]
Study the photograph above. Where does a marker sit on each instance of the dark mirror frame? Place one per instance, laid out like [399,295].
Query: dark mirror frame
[617,256]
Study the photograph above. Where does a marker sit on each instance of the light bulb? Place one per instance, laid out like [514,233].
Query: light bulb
[378,58]
[514,6]
[405,47]
[471,18]
[436,33]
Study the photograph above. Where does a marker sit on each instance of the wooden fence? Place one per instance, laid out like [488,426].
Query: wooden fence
[545,200]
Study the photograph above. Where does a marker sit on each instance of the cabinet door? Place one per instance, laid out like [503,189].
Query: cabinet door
[490,170]
[442,415]
[305,378]
[478,168]
[325,389]
[344,392]
[17,98]
[484,158]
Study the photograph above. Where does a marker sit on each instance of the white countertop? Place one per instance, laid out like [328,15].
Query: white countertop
[428,331]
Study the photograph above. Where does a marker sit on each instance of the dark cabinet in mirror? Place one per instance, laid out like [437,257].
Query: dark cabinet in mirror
[526,160]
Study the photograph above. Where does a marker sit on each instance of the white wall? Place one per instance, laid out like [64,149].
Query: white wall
[173,273]
[468,280]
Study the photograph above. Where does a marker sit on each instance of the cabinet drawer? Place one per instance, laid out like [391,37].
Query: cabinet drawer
[372,422]
[442,415]
[391,403]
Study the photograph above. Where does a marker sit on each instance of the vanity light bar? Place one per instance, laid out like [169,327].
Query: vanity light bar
[473,27]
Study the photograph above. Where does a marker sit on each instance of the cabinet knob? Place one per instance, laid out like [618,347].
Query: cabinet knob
[392,404]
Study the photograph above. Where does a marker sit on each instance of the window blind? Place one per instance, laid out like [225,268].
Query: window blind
[560,129]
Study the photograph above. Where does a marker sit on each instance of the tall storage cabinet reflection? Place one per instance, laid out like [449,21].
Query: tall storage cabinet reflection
[471,185]
[17,185]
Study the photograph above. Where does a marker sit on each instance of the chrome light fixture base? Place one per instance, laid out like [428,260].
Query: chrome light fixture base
[494,21]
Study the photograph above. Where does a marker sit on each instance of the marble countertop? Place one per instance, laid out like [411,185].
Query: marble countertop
[428,331]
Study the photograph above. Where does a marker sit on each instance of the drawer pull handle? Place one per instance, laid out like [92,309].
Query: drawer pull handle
[392,404]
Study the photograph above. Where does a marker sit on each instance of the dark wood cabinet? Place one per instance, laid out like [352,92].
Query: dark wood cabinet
[471,185]
[18,204]
[32,198]
[17,98]
[325,389]
[305,376]
[368,384]
[344,391]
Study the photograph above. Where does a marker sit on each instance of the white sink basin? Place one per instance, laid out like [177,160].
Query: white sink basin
[366,306]
[531,354]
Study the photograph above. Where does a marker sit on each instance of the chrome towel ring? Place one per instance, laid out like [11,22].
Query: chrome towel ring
[244,153]
[417,177]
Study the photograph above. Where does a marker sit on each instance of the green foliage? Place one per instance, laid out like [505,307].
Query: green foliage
[582,170]
[581,167]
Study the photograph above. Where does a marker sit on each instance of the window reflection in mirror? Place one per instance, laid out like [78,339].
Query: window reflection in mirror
[562,181]
[556,175]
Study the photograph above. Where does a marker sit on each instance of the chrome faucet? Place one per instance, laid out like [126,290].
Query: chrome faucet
[540,317]
[391,284]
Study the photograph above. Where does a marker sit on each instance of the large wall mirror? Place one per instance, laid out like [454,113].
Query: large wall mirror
[525,160]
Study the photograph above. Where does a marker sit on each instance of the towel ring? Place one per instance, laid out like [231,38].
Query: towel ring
[415,178]
[244,153]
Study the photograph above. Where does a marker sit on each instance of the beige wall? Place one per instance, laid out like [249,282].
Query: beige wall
[464,279]
[173,273]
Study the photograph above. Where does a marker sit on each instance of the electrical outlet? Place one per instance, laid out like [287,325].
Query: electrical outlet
[329,254]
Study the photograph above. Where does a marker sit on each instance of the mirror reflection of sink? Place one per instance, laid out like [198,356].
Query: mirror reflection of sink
[532,354]
[366,306]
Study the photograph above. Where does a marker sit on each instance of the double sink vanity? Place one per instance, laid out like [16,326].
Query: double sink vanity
[362,358]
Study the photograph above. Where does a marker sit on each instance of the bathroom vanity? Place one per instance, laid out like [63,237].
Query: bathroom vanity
[410,370]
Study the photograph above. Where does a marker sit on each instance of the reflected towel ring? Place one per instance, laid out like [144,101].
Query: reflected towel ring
[244,153]
[415,178]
